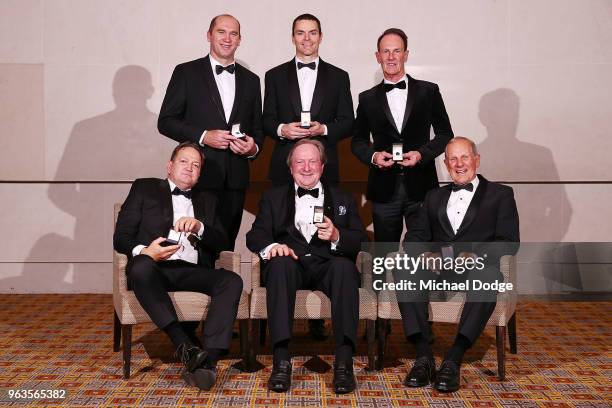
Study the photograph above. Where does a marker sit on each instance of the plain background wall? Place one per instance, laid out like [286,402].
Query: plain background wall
[81,83]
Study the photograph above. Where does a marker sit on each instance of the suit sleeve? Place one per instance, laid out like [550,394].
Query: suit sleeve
[270,109]
[214,239]
[360,143]
[354,235]
[342,125]
[128,222]
[262,233]
[507,235]
[171,121]
[258,133]
[441,127]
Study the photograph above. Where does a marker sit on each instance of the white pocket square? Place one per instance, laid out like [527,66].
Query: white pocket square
[341,210]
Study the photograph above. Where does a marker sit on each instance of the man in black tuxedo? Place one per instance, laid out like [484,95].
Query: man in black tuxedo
[306,84]
[400,110]
[464,215]
[300,253]
[205,100]
[155,209]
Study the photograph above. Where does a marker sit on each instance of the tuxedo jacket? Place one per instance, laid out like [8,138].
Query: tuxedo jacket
[491,217]
[193,104]
[332,105]
[147,214]
[275,222]
[424,110]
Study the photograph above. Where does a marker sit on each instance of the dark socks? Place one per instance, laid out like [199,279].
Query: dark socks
[177,335]
[281,351]
[421,344]
[458,349]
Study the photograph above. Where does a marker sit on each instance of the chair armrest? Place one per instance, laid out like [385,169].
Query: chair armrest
[229,260]
[364,266]
[255,271]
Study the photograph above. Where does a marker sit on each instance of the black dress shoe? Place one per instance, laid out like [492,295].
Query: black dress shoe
[198,372]
[344,379]
[448,377]
[422,373]
[316,327]
[280,379]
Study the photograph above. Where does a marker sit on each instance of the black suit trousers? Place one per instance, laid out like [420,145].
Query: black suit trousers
[152,281]
[337,277]
[231,204]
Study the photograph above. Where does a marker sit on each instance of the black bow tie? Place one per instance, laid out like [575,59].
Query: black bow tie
[178,191]
[313,192]
[457,187]
[312,65]
[230,68]
[399,85]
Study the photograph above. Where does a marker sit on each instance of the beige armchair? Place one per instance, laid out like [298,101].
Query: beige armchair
[315,304]
[449,311]
[190,306]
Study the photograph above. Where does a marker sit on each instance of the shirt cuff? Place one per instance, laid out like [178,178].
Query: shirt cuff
[334,244]
[201,142]
[264,252]
[324,130]
[278,131]
[201,230]
[138,249]
[372,159]
[256,152]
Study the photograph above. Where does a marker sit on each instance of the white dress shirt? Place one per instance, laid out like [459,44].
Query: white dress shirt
[307,80]
[304,211]
[226,84]
[181,207]
[458,204]
[397,102]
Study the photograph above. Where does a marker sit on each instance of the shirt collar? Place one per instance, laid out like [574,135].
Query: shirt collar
[405,78]
[474,182]
[214,62]
[172,186]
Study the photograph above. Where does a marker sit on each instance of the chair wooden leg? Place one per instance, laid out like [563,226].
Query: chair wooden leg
[116,332]
[382,342]
[512,333]
[371,337]
[244,342]
[263,327]
[500,336]
[126,330]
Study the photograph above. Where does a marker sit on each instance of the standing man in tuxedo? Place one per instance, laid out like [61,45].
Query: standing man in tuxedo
[464,215]
[153,209]
[205,100]
[401,110]
[306,84]
[300,253]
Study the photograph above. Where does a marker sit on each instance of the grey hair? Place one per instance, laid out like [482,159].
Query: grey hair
[465,139]
[312,142]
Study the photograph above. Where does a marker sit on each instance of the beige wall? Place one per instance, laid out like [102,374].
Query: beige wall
[81,84]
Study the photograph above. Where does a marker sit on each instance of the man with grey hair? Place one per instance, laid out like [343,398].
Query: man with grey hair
[463,215]
[308,235]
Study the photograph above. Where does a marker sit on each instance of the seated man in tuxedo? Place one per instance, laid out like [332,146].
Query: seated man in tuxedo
[153,209]
[463,215]
[301,253]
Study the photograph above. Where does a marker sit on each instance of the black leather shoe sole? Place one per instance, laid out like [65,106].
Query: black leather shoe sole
[446,387]
[201,378]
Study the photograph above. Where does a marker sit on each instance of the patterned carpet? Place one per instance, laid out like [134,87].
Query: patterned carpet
[65,342]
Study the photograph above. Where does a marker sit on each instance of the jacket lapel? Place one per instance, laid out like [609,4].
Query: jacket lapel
[290,215]
[212,86]
[319,90]
[472,210]
[442,215]
[382,100]
[409,100]
[166,204]
[238,93]
[294,88]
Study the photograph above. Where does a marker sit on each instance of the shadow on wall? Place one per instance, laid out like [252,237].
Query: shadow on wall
[122,144]
[545,211]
